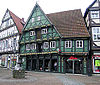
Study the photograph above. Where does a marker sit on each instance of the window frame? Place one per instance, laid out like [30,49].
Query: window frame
[44,45]
[32,33]
[34,46]
[51,44]
[27,49]
[69,44]
[79,44]
[94,16]
[95,33]
[44,31]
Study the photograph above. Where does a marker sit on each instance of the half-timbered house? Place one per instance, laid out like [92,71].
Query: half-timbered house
[10,31]
[56,42]
[92,19]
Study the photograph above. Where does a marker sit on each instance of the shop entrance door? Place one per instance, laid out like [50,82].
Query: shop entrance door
[73,66]
[47,64]
[28,66]
[34,64]
[41,64]
[54,65]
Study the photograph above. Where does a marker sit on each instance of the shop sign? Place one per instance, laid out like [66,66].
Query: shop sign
[97,62]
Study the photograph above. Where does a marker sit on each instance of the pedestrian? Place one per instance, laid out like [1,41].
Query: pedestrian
[55,66]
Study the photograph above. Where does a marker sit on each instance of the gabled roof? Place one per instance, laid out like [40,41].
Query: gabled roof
[87,10]
[19,22]
[69,23]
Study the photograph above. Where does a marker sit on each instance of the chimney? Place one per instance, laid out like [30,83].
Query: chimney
[22,21]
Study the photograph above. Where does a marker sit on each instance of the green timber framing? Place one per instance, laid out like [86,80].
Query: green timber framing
[42,44]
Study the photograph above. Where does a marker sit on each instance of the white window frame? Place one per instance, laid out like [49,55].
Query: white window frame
[94,14]
[53,44]
[96,33]
[44,31]
[46,45]
[32,33]
[79,44]
[69,44]
[34,46]
[27,48]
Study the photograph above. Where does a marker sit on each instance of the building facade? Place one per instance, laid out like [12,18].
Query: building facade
[92,19]
[10,31]
[56,42]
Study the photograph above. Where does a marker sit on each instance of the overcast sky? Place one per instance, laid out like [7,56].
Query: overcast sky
[23,8]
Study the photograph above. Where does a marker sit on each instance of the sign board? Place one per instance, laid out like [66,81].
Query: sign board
[97,62]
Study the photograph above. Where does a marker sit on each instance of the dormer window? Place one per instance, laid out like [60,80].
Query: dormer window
[38,18]
[32,33]
[43,31]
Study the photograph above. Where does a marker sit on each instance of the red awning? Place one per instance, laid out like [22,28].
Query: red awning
[72,58]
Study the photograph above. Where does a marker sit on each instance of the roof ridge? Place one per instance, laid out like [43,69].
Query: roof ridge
[63,11]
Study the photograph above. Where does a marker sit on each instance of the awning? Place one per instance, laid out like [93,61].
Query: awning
[72,58]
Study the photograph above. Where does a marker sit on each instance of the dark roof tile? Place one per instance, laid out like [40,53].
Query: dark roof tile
[69,23]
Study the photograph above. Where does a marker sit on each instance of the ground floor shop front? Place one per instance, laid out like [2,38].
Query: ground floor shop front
[9,60]
[55,63]
[96,63]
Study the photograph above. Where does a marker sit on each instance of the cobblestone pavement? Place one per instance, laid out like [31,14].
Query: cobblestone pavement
[42,78]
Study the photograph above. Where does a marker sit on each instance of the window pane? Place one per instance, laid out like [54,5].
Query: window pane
[52,44]
[77,43]
[94,14]
[28,47]
[46,45]
[33,46]
[98,37]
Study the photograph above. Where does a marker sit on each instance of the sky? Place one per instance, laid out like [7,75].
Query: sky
[23,8]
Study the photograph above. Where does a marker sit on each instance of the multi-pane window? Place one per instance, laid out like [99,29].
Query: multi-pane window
[46,45]
[53,44]
[38,18]
[94,14]
[79,44]
[27,46]
[68,44]
[96,33]
[33,46]
[32,33]
[44,31]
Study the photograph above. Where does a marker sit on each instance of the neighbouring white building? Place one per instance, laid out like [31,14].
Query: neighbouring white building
[10,32]
[92,19]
